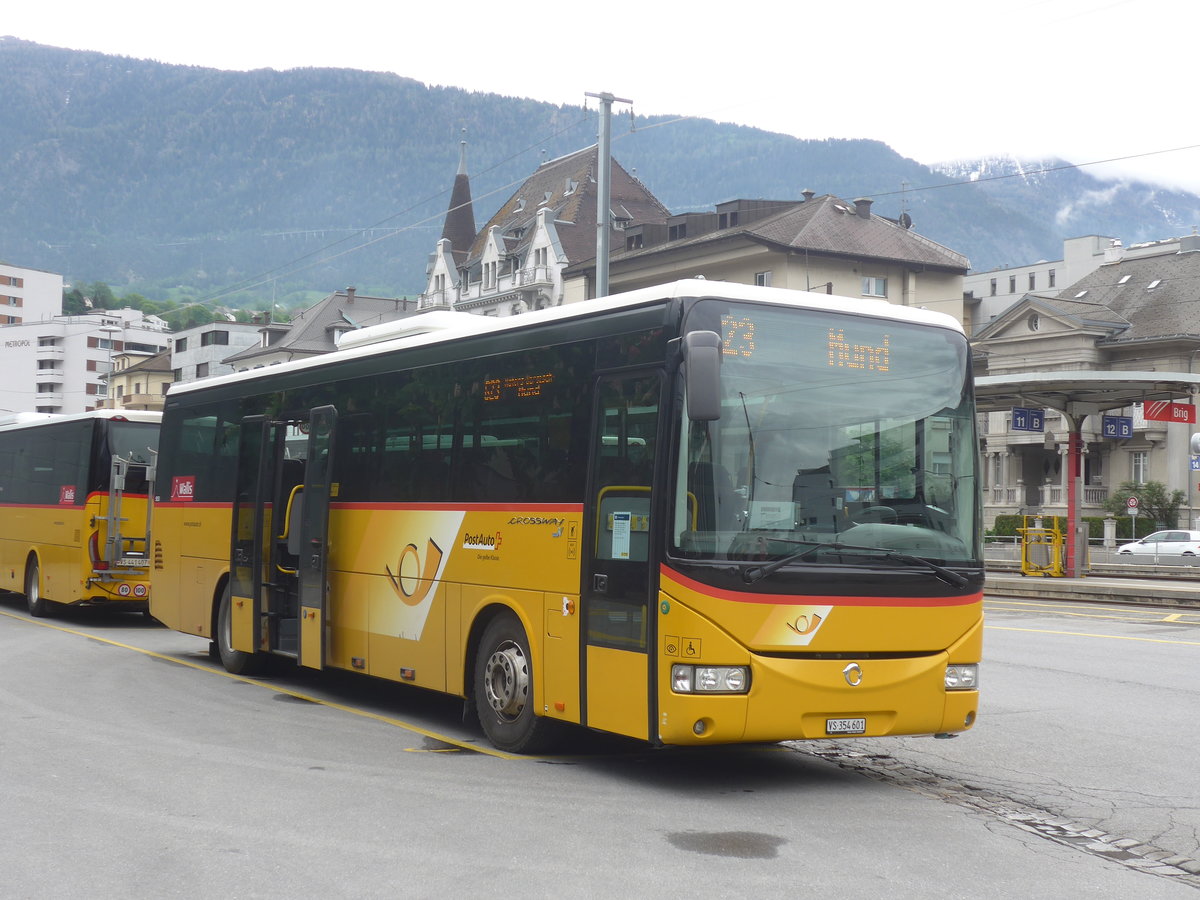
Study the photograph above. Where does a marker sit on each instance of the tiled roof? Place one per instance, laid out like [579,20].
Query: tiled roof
[158,362]
[1166,309]
[1135,299]
[313,330]
[831,225]
[567,185]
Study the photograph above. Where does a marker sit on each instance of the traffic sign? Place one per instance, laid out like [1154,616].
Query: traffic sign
[1132,505]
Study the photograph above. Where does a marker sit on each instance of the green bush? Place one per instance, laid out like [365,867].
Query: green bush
[1007,525]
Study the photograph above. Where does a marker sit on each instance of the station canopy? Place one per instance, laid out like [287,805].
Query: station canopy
[1081,394]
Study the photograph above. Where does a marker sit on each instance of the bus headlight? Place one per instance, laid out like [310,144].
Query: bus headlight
[710,679]
[962,678]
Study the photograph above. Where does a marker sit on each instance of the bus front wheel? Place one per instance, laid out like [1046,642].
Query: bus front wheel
[239,662]
[504,689]
[38,605]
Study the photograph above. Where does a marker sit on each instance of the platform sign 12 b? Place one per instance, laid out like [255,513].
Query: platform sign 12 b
[1117,426]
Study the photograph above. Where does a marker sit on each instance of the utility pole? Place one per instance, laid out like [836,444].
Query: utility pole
[604,188]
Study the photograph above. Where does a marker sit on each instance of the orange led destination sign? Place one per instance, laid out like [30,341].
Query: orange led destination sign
[518,385]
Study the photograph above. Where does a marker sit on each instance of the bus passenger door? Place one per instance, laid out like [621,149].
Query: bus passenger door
[246,560]
[314,536]
[618,576]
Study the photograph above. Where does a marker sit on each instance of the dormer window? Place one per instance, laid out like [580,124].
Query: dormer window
[520,204]
[1155,283]
[1080,294]
[1123,279]
[571,186]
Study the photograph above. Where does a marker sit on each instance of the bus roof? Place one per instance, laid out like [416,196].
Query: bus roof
[33,420]
[444,325]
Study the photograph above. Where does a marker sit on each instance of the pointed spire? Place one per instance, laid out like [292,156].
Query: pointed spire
[459,227]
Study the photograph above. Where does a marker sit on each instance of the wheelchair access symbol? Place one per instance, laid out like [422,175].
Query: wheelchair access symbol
[685,648]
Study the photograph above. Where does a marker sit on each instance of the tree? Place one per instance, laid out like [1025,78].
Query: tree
[1153,501]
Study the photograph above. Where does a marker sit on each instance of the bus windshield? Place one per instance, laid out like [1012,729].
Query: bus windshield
[133,441]
[841,438]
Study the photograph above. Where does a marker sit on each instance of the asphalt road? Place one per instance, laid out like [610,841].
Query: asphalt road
[134,768]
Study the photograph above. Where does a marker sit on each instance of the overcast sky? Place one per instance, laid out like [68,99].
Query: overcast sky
[1084,80]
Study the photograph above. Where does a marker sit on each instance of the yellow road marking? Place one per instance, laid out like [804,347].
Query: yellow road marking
[1113,637]
[341,707]
[1073,609]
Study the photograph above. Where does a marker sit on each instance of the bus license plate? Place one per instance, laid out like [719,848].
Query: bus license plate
[138,561]
[845,726]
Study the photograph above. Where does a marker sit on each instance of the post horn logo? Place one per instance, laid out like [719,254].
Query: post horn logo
[411,588]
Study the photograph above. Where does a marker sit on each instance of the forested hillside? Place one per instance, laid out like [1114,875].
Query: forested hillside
[148,175]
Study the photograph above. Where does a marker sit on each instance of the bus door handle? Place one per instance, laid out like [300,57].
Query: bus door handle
[600,584]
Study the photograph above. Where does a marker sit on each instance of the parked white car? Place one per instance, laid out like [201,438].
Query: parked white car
[1164,544]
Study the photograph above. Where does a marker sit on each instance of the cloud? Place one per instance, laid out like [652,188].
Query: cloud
[1087,199]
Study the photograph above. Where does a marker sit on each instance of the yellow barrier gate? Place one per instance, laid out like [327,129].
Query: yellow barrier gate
[1041,547]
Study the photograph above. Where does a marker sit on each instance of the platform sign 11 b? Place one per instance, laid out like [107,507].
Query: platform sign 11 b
[1028,419]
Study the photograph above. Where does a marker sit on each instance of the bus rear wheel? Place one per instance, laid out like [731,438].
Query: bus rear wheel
[38,605]
[504,689]
[239,662]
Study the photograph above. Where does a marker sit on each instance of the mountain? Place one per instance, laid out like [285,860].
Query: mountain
[147,175]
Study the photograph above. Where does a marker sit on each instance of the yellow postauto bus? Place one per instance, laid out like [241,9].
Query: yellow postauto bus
[693,514]
[74,508]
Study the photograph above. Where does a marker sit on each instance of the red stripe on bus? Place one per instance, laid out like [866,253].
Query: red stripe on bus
[515,508]
[820,599]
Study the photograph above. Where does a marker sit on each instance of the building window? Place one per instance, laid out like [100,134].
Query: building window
[214,337]
[1012,284]
[993,287]
[762,279]
[1050,276]
[177,374]
[202,370]
[180,344]
[874,287]
[1137,466]
[1033,281]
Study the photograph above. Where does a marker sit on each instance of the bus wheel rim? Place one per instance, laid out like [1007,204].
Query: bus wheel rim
[506,680]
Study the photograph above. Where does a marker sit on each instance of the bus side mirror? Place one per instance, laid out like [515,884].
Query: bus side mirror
[1196,444]
[702,373]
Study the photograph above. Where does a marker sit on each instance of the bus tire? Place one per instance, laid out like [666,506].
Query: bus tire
[504,689]
[38,605]
[239,662]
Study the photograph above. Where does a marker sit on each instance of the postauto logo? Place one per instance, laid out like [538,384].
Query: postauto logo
[482,541]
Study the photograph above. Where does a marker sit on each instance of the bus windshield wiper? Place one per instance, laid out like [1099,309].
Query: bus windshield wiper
[757,573]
